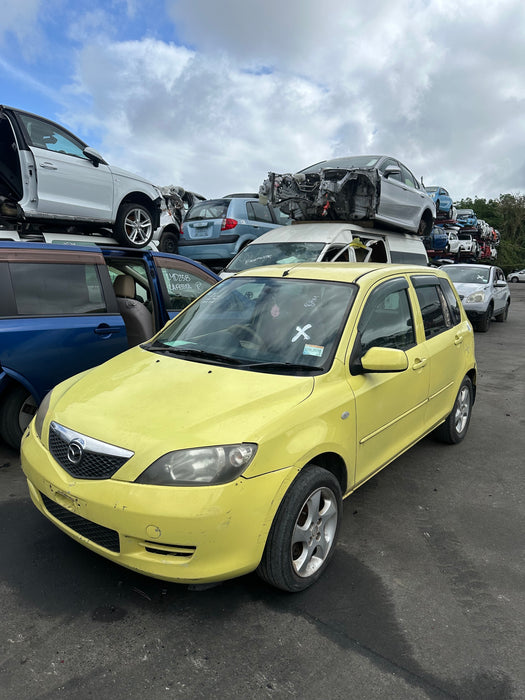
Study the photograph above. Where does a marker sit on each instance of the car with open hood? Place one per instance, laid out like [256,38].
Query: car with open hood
[48,176]
[372,188]
[227,442]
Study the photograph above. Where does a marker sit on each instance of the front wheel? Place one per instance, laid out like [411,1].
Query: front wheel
[16,412]
[169,243]
[503,315]
[304,532]
[483,324]
[134,225]
[454,429]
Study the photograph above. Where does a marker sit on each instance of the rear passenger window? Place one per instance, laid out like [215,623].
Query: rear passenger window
[386,320]
[259,212]
[437,316]
[48,289]
[452,302]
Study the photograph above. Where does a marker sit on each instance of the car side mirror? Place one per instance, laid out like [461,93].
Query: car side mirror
[392,170]
[500,283]
[93,156]
[384,360]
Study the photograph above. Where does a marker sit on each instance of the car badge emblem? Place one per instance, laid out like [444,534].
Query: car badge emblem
[75,450]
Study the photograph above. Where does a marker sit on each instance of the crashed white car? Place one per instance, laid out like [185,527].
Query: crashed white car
[48,176]
[373,188]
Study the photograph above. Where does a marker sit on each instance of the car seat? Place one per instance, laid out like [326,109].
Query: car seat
[137,319]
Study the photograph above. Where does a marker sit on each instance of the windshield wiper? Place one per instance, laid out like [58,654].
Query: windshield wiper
[194,353]
[292,366]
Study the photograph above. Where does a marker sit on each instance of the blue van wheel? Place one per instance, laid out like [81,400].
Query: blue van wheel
[16,412]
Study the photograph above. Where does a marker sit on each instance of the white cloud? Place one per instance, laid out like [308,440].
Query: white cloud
[281,85]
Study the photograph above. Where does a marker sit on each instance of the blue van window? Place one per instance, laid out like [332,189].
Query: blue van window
[44,289]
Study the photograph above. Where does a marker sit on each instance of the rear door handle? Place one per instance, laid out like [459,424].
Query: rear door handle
[458,339]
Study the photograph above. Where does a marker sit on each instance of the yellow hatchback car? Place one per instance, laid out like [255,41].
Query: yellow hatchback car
[227,442]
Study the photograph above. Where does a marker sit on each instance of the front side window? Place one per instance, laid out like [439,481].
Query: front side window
[452,302]
[262,324]
[182,285]
[386,321]
[44,134]
[49,289]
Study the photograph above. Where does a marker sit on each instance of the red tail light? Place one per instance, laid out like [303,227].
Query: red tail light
[227,224]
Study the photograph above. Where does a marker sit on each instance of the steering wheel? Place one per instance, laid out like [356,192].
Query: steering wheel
[248,330]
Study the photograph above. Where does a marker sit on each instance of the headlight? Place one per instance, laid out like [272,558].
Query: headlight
[199,466]
[475,298]
[41,414]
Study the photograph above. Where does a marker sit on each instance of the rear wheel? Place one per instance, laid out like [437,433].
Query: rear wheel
[425,225]
[303,534]
[514,279]
[16,412]
[454,429]
[134,225]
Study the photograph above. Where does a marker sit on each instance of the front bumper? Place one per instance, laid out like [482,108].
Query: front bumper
[180,534]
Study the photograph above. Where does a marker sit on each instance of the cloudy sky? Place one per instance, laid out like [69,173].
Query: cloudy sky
[211,94]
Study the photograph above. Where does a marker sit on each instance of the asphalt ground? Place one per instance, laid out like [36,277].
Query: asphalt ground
[425,597]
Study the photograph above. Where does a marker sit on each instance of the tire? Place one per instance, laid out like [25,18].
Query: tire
[425,228]
[454,429]
[169,243]
[502,317]
[450,213]
[483,324]
[514,279]
[134,225]
[16,412]
[302,538]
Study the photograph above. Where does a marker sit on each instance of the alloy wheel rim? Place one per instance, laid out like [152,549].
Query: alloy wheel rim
[314,532]
[462,410]
[137,225]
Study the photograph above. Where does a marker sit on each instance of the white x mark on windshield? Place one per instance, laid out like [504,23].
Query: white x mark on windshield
[301,332]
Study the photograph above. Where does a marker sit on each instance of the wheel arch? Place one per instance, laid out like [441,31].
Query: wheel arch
[333,463]
[138,197]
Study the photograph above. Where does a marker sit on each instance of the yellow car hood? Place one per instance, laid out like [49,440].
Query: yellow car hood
[143,401]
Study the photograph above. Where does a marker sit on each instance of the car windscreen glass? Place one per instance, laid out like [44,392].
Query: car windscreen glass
[287,253]
[210,209]
[350,162]
[469,275]
[278,325]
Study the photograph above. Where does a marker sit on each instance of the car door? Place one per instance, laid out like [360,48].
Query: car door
[60,316]
[69,185]
[500,292]
[180,282]
[390,407]
[443,348]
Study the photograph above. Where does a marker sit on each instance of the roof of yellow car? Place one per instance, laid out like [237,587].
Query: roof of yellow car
[337,272]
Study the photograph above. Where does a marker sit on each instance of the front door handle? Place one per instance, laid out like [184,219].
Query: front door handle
[106,330]
[458,339]
[48,166]
[419,363]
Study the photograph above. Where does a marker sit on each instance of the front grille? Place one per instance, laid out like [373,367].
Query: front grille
[92,465]
[98,534]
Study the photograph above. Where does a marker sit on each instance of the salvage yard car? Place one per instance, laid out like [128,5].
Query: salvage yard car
[327,242]
[483,291]
[217,229]
[65,308]
[442,200]
[293,387]
[49,176]
[372,188]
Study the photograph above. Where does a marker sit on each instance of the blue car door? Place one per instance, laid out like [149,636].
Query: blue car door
[58,315]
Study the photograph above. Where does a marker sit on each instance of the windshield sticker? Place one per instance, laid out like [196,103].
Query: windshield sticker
[301,332]
[311,302]
[315,350]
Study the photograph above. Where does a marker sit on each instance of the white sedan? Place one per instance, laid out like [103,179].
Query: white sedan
[518,276]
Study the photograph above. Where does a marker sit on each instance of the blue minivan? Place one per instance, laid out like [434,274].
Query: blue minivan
[66,308]
[217,229]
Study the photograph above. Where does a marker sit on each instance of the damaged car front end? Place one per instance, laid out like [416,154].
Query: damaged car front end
[364,188]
